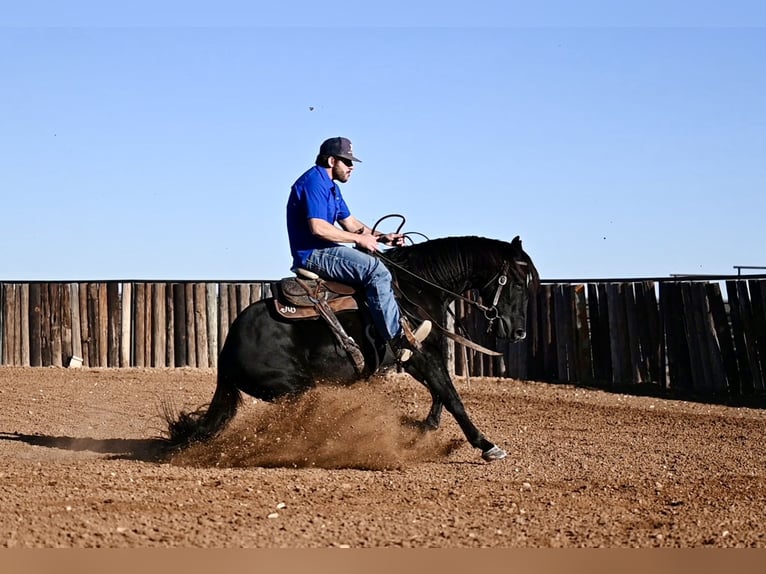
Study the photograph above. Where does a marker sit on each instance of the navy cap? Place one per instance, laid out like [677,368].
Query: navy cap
[338,147]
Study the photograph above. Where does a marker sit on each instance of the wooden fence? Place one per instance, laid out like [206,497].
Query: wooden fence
[120,324]
[679,334]
[673,334]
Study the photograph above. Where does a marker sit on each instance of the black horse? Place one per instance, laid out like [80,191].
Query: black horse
[269,357]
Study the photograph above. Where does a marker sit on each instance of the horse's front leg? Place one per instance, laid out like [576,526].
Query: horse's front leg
[434,418]
[429,368]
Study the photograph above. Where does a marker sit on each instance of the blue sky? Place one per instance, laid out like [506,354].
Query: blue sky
[159,140]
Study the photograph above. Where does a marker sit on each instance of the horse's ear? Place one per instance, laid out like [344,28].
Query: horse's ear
[516,242]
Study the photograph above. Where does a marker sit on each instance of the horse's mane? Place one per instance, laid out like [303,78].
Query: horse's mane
[443,260]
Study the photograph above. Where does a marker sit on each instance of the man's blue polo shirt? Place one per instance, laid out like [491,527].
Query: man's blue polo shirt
[313,196]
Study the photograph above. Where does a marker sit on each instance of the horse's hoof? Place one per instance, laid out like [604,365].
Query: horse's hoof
[429,425]
[495,453]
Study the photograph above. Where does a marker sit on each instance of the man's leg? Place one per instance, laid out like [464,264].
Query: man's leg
[356,268]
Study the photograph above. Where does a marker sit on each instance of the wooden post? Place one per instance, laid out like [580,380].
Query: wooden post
[723,336]
[692,334]
[179,325]
[35,353]
[605,346]
[243,297]
[54,293]
[86,343]
[94,331]
[650,330]
[212,324]
[200,325]
[24,324]
[596,336]
[461,357]
[74,303]
[113,317]
[103,326]
[139,331]
[746,316]
[191,334]
[148,334]
[449,344]
[170,349]
[570,321]
[582,330]
[66,323]
[16,351]
[758,322]
[255,292]
[159,326]
[126,327]
[561,316]
[548,334]
[45,326]
[679,361]
[635,371]
[618,335]
[714,358]
[223,315]
[9,324]
[233,312]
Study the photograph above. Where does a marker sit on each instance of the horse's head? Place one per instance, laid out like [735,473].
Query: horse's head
[443,268]
[506,295]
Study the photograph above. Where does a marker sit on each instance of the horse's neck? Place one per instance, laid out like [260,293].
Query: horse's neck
[459,284]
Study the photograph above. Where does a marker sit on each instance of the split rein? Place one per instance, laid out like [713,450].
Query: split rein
[490,313]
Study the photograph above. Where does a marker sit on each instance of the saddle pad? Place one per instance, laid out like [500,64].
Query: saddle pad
[290,312]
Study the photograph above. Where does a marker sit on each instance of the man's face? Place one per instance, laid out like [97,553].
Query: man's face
[341,169]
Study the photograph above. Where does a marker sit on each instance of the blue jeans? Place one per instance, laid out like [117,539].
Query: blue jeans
[359,269]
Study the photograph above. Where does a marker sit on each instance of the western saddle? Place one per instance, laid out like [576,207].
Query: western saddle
[308,296]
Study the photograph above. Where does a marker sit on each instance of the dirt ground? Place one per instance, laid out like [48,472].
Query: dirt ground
[80,466]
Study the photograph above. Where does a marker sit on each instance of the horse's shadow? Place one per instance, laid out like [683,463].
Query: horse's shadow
[146,450]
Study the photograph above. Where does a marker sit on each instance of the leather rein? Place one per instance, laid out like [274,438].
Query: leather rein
[490,313]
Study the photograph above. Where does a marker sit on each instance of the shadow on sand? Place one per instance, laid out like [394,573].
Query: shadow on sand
[147,450]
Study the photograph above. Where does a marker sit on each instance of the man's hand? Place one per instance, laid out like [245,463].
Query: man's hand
[393,239]
[367,242]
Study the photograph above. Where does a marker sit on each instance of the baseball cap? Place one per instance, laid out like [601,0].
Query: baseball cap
[339,147]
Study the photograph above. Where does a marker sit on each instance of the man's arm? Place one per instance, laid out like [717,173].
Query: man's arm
[352,224]
[329,232]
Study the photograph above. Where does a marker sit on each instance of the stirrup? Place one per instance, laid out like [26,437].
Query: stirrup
[422,332]
[416,337]
[410,340]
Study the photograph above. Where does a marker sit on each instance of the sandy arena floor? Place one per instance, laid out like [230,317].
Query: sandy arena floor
[80,467]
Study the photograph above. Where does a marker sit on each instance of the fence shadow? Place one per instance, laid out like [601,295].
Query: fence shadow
[145,450]
[753,401]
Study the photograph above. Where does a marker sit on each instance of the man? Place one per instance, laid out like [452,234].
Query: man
[314,208]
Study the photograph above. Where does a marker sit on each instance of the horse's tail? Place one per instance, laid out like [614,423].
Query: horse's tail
[206,422]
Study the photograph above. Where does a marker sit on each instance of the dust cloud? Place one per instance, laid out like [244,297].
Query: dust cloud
[328,427]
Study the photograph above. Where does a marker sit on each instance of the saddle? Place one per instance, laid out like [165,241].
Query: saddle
[296,297]
[309,297]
